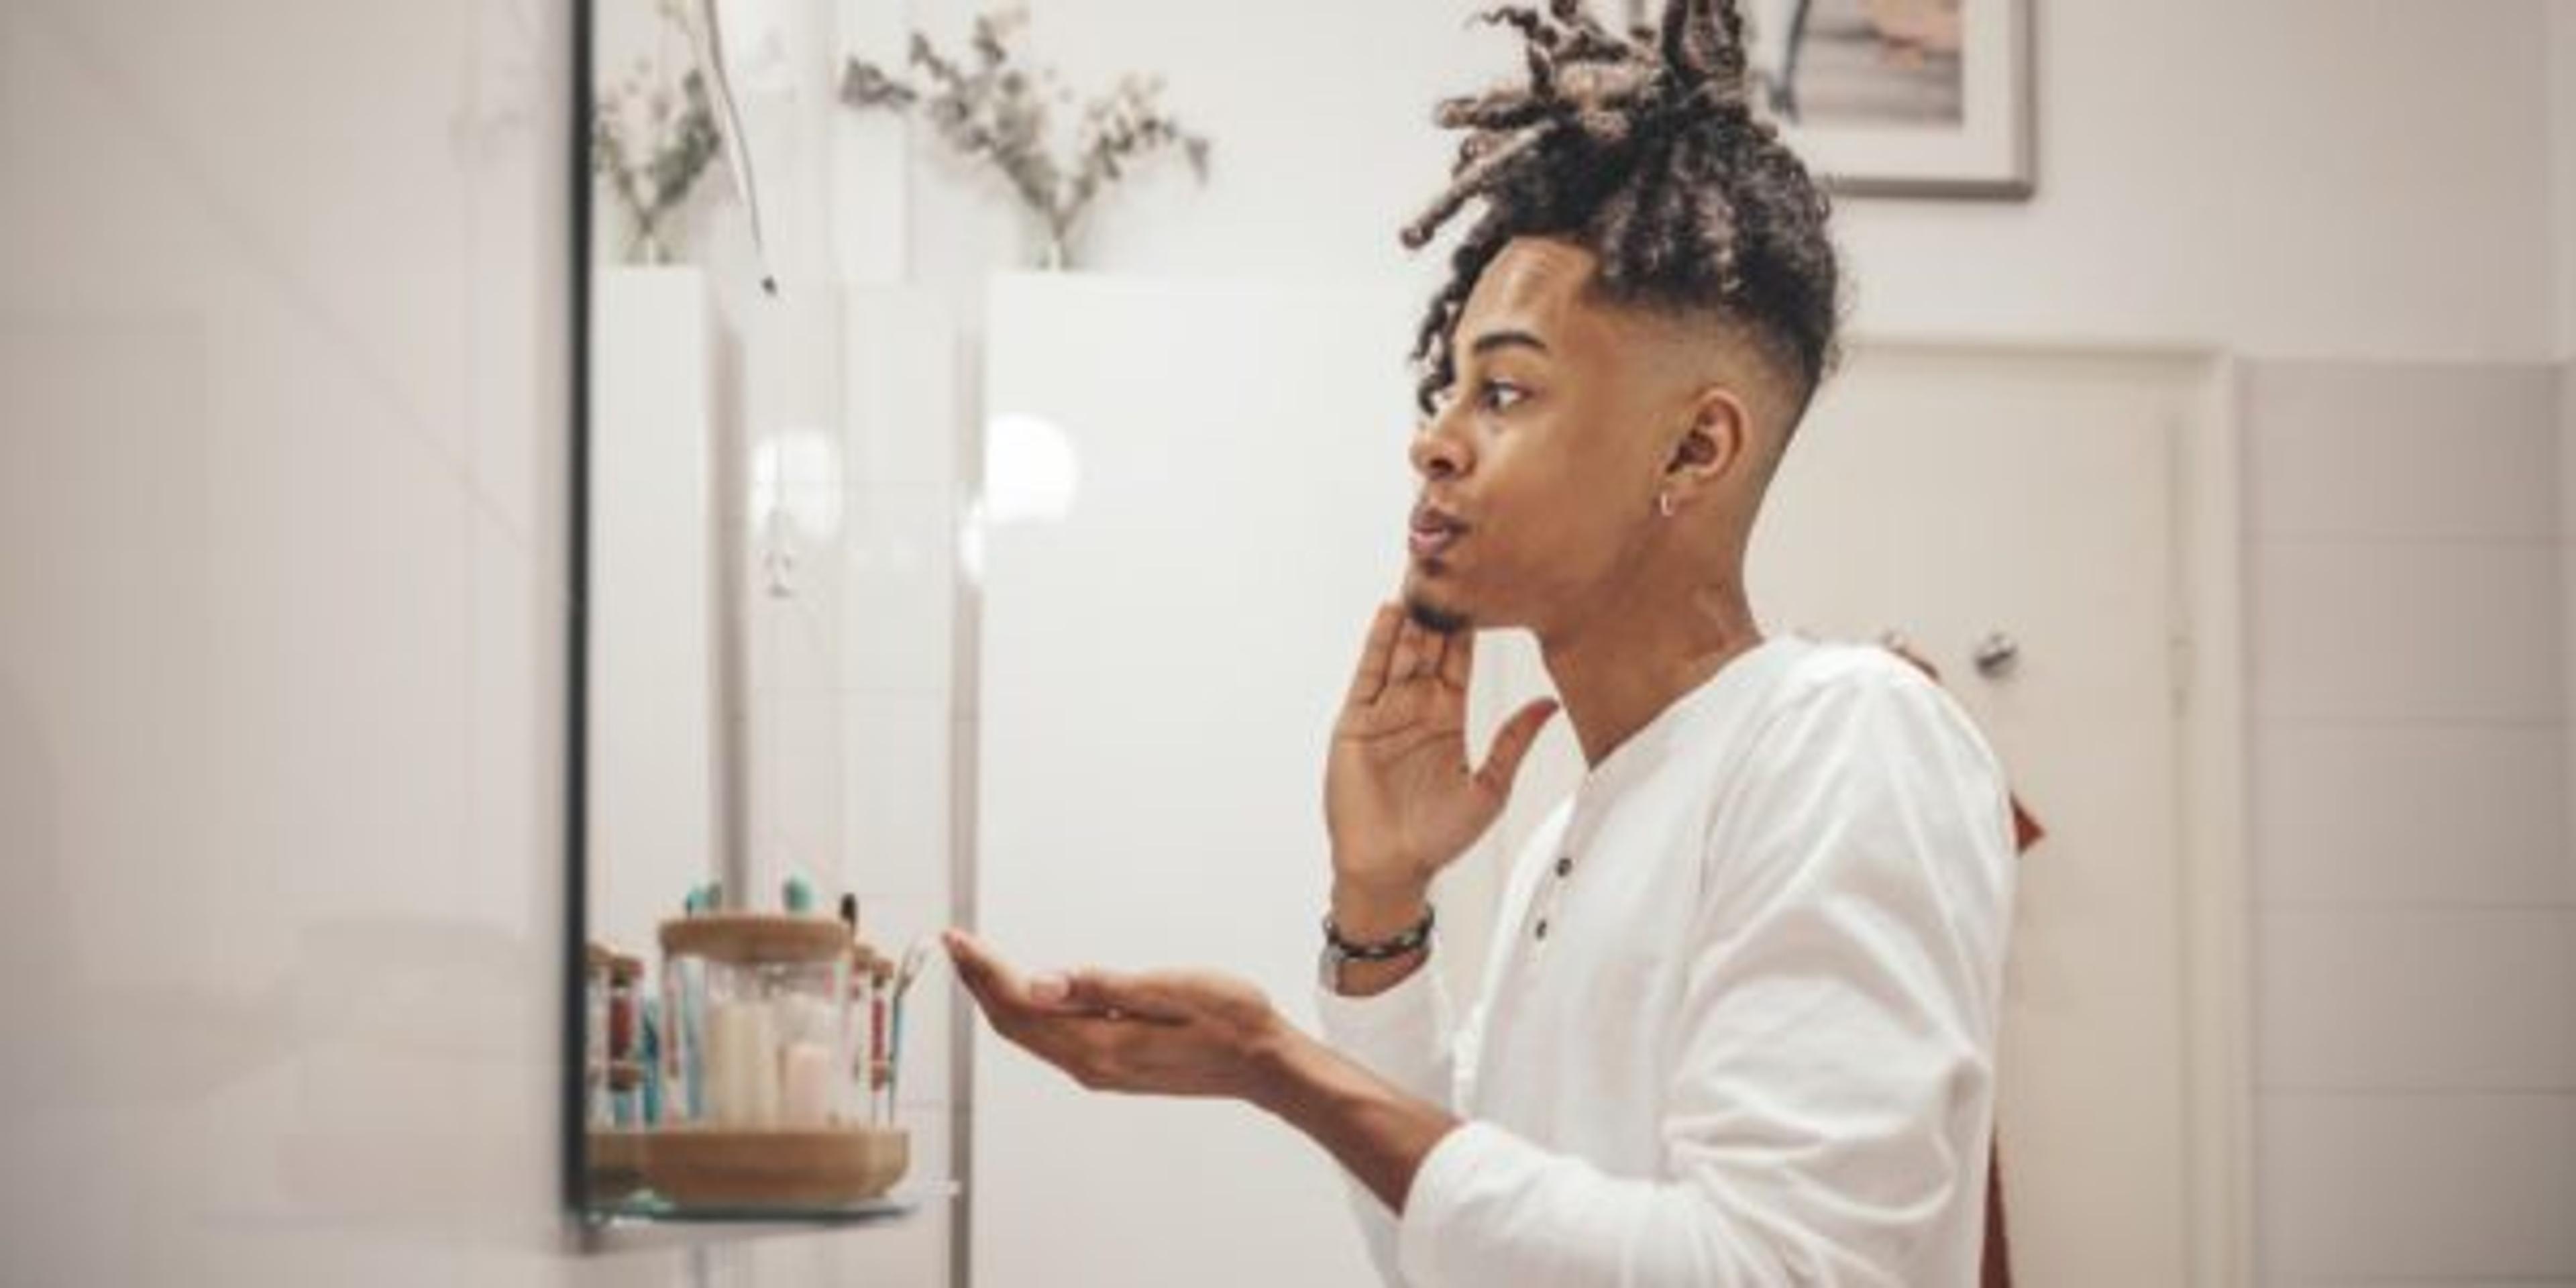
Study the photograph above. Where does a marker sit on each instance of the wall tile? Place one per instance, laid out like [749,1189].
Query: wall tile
[2381,450]
[904,418]
[2339,1282]
[2404,999]
[800,760]
[2411,812]
[2435,1187]
[896,789]
[794,593]
[2395,631]
[897,590]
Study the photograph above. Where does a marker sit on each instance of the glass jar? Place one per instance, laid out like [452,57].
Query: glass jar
[755,1032]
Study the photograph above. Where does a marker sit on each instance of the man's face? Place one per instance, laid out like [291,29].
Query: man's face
[1539,469]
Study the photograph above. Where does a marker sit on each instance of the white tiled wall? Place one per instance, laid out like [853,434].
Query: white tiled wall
[284,382]
[853,673]
[281,622]
[2416,891]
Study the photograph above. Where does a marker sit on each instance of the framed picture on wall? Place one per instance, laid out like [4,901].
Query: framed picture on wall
[1901,97]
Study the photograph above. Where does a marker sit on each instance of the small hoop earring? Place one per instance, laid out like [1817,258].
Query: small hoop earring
[1664,504]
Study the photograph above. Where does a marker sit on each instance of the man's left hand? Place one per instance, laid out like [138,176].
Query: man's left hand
[1170,1033]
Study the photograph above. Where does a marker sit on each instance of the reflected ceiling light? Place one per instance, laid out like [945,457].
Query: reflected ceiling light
[796,474]
[1031,474]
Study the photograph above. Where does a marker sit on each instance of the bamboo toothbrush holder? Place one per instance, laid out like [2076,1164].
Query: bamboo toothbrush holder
[765,1067]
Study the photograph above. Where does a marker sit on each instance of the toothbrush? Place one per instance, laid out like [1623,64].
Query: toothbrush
[914,958]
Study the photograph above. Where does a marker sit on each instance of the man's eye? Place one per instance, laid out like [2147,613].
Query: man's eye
[1500,395]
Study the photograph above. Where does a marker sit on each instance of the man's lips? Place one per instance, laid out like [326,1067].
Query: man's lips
[1433,531]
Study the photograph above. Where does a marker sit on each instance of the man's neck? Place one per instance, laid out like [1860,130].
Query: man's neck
[1619,668]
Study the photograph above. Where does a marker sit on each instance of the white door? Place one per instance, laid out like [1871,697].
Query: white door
[1952,497]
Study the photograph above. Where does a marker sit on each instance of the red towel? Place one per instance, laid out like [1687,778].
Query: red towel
[1996,1269]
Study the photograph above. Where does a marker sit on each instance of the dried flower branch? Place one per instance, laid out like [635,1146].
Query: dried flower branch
[991,108]
[651,145]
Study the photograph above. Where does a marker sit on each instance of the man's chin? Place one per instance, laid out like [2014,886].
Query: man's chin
[1435,613]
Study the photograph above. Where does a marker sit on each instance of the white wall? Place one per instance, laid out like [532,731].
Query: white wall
[1156,697]
[2302,177]
[2415,920]
[281,646]
[284,377]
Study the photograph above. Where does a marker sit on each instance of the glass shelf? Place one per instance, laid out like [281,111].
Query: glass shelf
[647,1219]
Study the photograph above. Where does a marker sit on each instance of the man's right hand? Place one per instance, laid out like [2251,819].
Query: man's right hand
[1400,800]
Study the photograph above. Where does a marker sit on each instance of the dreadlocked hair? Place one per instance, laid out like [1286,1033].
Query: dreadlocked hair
[1642,147]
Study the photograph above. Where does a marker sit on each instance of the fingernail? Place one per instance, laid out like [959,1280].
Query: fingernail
[1049,989]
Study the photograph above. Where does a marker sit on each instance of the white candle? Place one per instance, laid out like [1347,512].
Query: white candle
[763,1076]
[741,1065]
[806,1075]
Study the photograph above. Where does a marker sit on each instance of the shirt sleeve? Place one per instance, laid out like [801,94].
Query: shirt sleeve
[1828,1110]
[1404,1036]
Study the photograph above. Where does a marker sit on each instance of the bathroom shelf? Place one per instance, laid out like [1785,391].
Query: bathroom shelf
[648,1221]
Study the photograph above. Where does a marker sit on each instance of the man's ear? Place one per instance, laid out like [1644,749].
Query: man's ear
[1714,446]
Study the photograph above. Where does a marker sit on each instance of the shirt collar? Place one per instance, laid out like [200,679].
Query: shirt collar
[1687,717]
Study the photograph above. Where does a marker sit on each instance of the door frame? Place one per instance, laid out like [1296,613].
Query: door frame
[2217,872]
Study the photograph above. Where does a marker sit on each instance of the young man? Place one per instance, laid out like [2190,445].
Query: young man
[1739,1023]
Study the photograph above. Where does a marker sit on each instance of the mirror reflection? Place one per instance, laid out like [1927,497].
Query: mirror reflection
[1473,583]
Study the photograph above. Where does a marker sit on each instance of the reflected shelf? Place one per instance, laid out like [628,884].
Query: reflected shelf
[646,1219]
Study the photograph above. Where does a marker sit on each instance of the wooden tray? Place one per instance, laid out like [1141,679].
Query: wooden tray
[614,1157]
[818,1166]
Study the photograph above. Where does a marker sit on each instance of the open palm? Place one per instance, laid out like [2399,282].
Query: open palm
[1400,798]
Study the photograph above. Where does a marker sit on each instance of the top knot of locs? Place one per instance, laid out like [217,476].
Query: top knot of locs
[1643,146]
[1587,80]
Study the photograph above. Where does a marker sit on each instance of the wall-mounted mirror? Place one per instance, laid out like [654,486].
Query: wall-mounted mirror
[947,588]
[766,679]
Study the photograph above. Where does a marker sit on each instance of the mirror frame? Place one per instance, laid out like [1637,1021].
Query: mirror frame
[573,974]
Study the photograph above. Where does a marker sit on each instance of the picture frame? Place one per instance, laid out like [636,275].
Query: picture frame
[1906,98]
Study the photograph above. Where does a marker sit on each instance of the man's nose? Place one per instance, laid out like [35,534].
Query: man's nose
[1438,451]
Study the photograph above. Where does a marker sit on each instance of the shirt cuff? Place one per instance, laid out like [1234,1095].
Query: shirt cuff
[1400,1009]
[1427,1248]
[1395,1034]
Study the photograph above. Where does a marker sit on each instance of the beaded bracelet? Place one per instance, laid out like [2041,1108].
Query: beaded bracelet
[1384,950]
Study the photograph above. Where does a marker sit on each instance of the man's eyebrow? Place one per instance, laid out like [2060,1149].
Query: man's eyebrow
[1493,340]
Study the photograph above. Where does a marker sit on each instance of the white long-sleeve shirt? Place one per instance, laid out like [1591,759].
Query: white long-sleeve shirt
[1739,1022]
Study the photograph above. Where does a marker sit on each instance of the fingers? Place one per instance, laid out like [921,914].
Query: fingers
[1417,652]
[996,987]
[1458,659]
[1375,655]
[976,964]
[1053,991]
[1511,743]
[1139,997]
[1005,994]
[1400,651]
[1002,991]
[1168,1033]
[1062,1019]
